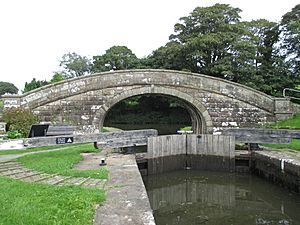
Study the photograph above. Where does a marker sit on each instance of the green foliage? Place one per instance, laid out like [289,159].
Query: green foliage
[57,77]
[171,56]
[34,84]
[110,129]
[148,110]
[75,65]
[213,41]
[1,105]
[207,36]
[6,87]
[294,145]
[115,58]
[187,128]
[19,120]
[290,28]
[62,162]
[14,134]
[35,204]
[291,123]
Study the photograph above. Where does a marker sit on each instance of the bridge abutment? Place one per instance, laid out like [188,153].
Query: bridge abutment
[283,108]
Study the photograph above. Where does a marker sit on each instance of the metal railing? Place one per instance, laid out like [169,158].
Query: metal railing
[286,94]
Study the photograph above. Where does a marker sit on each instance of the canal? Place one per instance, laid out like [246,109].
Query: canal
[216,198]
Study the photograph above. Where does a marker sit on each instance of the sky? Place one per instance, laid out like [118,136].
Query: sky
[34,34]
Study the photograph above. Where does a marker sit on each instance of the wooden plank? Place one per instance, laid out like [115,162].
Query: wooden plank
[169,145]
[231,147]
[221,150]
[90,138]
[209,142]
[203,144]
[150,147]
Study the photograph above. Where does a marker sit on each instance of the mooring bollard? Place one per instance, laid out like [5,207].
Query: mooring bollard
[102,162]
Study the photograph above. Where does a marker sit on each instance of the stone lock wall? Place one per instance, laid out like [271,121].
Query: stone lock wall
[213,103]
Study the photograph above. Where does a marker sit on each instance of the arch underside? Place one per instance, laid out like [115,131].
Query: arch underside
[201,121]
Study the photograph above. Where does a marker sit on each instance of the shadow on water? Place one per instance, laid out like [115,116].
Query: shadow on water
[213,198]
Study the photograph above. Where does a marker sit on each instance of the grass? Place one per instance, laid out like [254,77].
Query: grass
[292,123]
[12,152]
[110,129]
[40,204]
[188,128]
[295,145]
[62,162]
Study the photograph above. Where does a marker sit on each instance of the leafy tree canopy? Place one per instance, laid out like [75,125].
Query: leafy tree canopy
[207,36]
[75,65]
[33,84]
[6,87]
[213,41]
[115,58]
[290,28]
[57,77]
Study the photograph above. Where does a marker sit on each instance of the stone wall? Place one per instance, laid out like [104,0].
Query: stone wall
[278,167]
[213,103]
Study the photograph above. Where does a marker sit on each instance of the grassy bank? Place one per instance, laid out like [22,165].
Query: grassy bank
[62,162]
[12,152]
[292,123]
[36,204]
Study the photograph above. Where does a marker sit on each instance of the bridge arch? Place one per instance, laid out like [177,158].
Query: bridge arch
[214,104]
[201,120]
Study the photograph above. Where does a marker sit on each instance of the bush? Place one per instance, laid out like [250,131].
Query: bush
[19,120]
[14,134]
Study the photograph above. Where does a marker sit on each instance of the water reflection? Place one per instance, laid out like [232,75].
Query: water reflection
[195,197]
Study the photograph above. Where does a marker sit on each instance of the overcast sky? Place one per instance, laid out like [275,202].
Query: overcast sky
[36,33]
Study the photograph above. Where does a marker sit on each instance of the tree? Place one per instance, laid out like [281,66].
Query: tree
[290,48]
[57,77]
[207,35]
[34,84]
[260,66]
[6,87]
[170,56]
[213,41]
[75,65]
[115,58]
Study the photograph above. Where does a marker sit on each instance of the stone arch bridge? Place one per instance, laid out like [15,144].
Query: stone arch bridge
[213,103]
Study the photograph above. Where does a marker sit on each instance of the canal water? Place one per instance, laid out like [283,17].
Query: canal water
[216,198]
